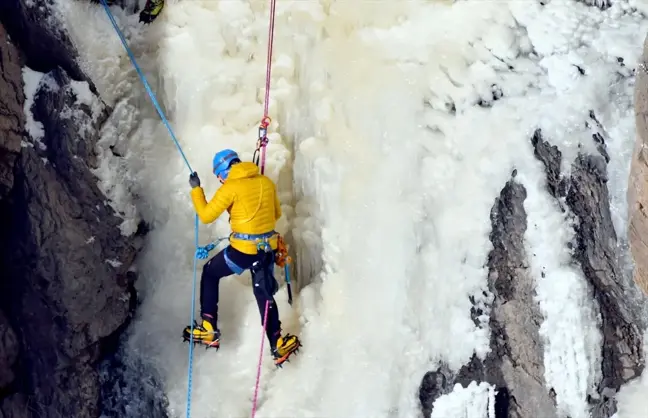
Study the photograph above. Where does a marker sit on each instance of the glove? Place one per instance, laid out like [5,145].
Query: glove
[194,181]
[203,252]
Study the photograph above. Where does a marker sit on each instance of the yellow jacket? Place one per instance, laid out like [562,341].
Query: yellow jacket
[251,200]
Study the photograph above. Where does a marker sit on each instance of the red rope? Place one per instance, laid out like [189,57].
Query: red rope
[263,141]
[269,62]
[265,122]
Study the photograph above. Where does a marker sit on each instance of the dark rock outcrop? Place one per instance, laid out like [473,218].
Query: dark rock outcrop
[11,129]
[16,405]
[11,114]
[8,352]
[67,250]
[65,286]
[42,40]
[515,363]
[601,4]
[595,250]
[434,384]
[131,388]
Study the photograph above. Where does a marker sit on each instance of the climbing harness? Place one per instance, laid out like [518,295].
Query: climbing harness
[262,242]
[254,237]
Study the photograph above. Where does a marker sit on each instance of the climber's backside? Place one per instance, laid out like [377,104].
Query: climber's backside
[251,200]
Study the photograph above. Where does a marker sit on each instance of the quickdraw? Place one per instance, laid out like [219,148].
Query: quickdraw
[262,142]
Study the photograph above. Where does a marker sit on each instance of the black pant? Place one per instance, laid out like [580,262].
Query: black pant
[264,283]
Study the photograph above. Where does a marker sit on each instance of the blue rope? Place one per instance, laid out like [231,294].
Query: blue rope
[146,84]
[177,144]
[193,310]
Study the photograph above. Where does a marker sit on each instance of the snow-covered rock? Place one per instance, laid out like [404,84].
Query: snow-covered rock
[515,366]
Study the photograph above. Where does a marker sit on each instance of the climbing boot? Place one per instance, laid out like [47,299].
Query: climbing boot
[286,346]
[204,333]
[151,11]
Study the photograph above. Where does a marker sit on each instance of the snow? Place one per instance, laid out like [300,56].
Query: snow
[387,170]
[84,96]
[113,263]
[632,400]
[475,401]
[31,80]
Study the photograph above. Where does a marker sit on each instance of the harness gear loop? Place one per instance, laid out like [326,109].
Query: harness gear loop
[261,240]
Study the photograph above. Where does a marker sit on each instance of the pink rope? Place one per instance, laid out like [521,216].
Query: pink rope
[266,105]
[263,155]
[258,377]
[264,142]
[269,62]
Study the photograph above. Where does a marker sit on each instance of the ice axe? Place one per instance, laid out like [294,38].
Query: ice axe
[287,270]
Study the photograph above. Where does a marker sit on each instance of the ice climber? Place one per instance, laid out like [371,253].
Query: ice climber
[151,10]
[251,200]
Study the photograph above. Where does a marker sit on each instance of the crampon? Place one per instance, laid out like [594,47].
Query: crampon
[286,347]
[202,336]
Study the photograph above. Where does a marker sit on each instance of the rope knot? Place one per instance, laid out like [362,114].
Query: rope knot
[265,122]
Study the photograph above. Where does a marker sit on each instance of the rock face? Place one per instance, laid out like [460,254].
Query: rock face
[638,182]
[601,4]
[595,250]
[11,130]
[42,40]
[11,115]
[8,352]
[65,287]
[515,364]
[516,359]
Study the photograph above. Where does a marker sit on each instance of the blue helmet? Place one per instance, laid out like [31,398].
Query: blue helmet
[222,161]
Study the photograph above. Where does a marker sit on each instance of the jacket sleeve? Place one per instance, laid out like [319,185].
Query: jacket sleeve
[209,212]
[277,205]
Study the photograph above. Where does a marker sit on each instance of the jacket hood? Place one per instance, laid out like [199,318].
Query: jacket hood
[243,170]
